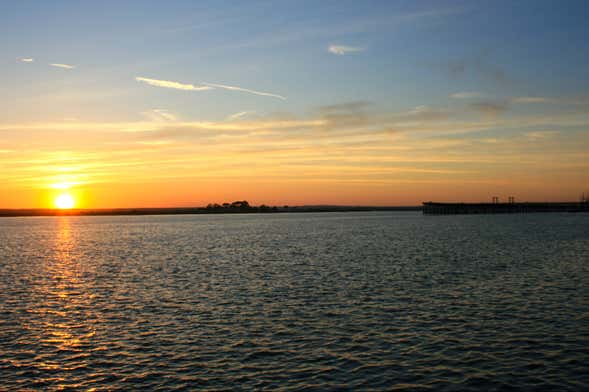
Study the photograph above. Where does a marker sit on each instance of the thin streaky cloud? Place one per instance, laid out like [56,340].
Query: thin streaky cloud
[532,100]
[548,100]
[172,84]
[341,50]
[159,115]
[539,135]
[491,108]
[466,95]
[65,66]
[245,90]
[318,30]
[26,60]
[239,115]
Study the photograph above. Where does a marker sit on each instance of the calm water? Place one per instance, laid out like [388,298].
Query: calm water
[295,301]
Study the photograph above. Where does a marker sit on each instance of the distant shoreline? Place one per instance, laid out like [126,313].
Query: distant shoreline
[31,212]
[428,208]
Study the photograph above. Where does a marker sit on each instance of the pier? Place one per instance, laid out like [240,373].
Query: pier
[433,208]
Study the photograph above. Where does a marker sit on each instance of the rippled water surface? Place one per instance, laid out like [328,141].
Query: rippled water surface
[292,301]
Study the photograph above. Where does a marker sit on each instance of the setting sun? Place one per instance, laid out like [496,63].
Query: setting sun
[64,201]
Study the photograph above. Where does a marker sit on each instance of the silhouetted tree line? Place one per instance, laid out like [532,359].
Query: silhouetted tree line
[240,206]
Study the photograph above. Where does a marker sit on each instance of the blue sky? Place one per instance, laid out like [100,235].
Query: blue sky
[408,50]
[513,63]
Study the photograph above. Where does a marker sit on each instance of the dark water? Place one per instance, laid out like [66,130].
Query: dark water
[295,301]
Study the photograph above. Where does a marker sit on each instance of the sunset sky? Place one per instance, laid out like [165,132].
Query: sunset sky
[184,103]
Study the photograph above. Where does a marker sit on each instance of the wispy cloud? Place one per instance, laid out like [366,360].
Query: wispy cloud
[490,108]
[341,50]
[171,84]
[539,135]
[205,86]
[317,29]
[159,115]
[238,115]
[60,65]
[535,136]
[348,115]
[466,95]
[549,100]
[532,100]
[424,113]
[479,65]
[245,90]
[26,60]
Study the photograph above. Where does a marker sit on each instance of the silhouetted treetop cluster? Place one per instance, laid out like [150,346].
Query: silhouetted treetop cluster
[240,205]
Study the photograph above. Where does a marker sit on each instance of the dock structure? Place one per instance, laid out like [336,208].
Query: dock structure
[433,208]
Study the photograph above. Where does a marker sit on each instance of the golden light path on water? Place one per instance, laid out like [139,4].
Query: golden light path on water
[65,319]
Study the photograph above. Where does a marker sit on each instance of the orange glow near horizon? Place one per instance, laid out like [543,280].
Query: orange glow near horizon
[198,193]
[265,161]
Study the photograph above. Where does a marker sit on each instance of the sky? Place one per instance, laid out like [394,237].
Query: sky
[185,103]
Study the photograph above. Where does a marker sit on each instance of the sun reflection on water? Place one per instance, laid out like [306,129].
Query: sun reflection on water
[65,321]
